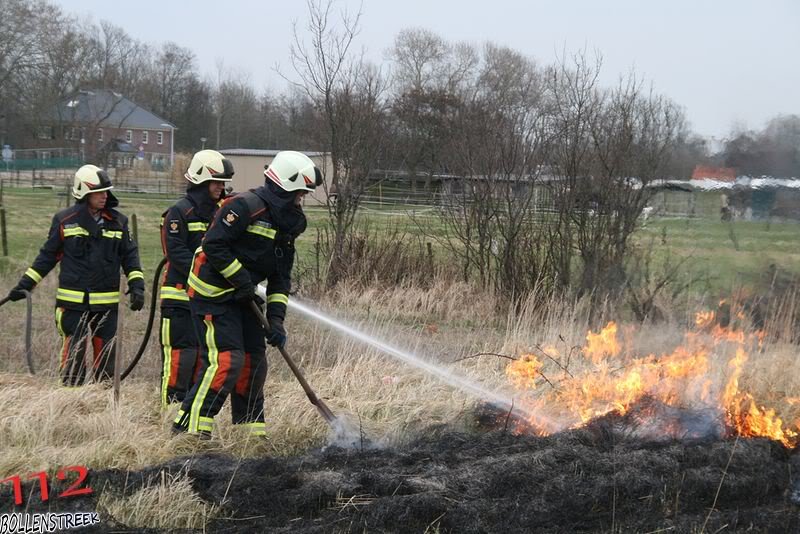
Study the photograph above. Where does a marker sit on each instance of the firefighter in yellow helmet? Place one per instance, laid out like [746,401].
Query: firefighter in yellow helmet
[92,243]
[182,228]
[251,239]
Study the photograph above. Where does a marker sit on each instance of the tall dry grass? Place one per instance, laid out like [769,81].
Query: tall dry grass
[167,503]
[50,426]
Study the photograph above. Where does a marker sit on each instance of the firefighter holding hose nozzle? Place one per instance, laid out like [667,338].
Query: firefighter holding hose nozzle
[250,239]
[92,243]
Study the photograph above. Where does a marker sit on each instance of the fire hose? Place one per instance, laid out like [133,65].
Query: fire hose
[150,320]
[28,329]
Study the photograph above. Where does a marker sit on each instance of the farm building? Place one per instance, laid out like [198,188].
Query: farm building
[744,198]
[249,165]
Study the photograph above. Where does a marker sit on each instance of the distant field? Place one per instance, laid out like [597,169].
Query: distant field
[727,254]
[730,254]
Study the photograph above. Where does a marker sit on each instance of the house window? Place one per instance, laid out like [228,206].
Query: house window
[160,138]
[44,132]
[145,137]
[99,134]
[129,136]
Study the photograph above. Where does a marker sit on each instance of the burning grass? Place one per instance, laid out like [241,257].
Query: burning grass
[706,376]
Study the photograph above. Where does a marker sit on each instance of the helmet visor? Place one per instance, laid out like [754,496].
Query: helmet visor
[227,170]
[105,181]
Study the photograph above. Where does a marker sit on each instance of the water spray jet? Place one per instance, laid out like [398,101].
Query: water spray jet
[445,375]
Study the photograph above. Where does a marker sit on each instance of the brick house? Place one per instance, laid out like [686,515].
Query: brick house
[106,128]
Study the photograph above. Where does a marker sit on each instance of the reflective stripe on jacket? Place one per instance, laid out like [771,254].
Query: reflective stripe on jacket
[183,226]
[242,246]
[91,256]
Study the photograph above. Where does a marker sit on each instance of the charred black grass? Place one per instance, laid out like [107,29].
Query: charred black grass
[594,479]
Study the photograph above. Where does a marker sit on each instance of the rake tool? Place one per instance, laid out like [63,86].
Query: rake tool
[322,408]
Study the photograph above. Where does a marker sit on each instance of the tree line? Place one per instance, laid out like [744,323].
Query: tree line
[549,169]
[47,54]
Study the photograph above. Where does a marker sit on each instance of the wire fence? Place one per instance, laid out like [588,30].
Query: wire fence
[125,180]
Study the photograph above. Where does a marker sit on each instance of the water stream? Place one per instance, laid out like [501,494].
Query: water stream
[447,376]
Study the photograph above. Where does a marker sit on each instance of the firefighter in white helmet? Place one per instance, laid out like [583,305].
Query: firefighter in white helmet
[183,226]
[92,242]
[250,240]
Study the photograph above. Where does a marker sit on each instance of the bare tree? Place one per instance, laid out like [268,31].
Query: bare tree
[348,95]
[421,101]
[497,148]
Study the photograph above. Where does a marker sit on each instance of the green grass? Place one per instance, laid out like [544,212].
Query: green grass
[731,254]
[707,241]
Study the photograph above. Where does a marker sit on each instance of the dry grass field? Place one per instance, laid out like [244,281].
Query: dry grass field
[393,405]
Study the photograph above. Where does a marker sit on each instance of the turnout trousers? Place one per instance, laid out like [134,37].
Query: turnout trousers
[77,328]
[232,362]
[180,353]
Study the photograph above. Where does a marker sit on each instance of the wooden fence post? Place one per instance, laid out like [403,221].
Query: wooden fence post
[3,233]
[118,350]
[316,253]
[135,228]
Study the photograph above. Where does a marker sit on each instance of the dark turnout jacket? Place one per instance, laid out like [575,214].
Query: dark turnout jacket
[183,226]
[244,245]
[91,255]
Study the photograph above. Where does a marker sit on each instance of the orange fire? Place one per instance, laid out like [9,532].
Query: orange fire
[703,373]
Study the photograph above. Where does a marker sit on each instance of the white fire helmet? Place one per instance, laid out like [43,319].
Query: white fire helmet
[293,171]
[90,179]
[209,165]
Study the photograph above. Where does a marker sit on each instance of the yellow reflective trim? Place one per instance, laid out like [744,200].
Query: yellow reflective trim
[78,230]
[112,234]
[208,377]
[205,423]
[258,428]
[278,297]
[59,313]
[207,290]
[69,295]
[135,275]
[173,293]
[260,230]
[109,297]
[33,275]
[167,351]
[179,417]
[197,226]
[231,269]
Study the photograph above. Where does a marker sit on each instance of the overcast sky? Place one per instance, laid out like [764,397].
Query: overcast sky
[726,61]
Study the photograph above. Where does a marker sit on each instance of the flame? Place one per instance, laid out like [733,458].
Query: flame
[703,374]
[602,344]
[703,319]
[523,372]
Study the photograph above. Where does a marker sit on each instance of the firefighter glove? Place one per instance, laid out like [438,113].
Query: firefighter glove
[136,299]
[245,293]
[16,294]
[277,333]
